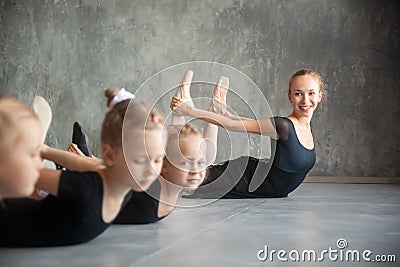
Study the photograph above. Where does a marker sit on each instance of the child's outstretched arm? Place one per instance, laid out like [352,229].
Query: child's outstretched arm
[70,160]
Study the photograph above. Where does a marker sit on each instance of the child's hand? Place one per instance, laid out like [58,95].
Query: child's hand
[74,149]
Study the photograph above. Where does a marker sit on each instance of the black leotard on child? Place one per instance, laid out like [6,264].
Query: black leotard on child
[291,163]
[142,207]
[73,216]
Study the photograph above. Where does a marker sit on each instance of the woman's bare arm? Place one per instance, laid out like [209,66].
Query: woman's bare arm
[262,127]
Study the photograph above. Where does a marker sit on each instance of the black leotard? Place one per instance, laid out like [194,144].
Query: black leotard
[290,165]
[73,216]
[142,207]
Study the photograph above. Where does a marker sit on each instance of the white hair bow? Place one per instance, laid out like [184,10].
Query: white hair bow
[121,96]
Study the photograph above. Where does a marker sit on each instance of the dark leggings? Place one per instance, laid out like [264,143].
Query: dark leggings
[231,179]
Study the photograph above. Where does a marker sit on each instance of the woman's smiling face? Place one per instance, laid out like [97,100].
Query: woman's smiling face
[304,94]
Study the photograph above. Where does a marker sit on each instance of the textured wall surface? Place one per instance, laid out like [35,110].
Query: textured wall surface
[69,51]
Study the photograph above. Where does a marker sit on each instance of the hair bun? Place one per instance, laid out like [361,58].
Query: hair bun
[110,93]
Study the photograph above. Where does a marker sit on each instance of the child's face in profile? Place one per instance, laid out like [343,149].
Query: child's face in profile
[20,163]
[144,155]
[185,164]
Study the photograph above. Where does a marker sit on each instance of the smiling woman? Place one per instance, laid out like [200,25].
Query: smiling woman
[306,90]
[291,135]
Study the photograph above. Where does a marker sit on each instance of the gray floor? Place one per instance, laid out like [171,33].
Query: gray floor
[232,232]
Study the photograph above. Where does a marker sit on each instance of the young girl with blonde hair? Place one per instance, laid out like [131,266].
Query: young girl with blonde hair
[81,205]
[20,140]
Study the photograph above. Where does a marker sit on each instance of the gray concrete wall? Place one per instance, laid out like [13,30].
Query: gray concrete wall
[69,51]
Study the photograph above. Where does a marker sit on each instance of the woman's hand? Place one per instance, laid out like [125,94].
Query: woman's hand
[179,107]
